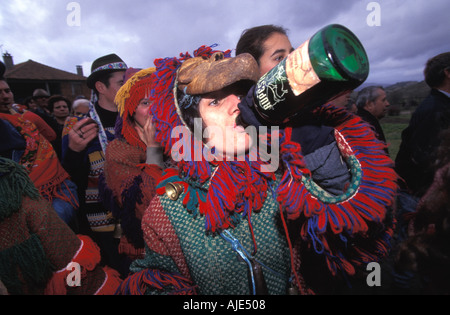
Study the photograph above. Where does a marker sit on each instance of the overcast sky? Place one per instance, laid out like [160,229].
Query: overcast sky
[399,35]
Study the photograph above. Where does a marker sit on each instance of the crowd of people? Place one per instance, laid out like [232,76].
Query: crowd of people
[108,184]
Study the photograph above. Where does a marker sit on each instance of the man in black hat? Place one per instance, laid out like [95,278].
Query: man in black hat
[106,79]
[84,144]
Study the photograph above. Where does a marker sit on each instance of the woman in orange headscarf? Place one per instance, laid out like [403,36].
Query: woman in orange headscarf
[134,162]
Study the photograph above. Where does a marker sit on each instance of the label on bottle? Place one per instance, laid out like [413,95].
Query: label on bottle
[272,87]
[299,70]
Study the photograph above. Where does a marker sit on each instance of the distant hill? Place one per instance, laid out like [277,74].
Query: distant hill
[407,94]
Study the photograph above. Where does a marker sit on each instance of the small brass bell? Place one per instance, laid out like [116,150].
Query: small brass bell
[174,190]
[292,290]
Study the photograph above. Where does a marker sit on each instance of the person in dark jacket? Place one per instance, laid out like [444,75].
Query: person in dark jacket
[420,139]
[415,162]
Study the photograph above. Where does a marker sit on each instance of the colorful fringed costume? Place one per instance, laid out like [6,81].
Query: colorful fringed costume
[43,127]
[25,144]
[37,248]
[130,177]
[229,209]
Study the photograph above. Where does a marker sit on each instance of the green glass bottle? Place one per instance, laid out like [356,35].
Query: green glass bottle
[330,63]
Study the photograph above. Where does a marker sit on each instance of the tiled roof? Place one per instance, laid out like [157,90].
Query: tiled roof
[32,70]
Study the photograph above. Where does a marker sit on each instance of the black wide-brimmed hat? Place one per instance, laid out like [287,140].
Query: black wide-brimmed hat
[108,63]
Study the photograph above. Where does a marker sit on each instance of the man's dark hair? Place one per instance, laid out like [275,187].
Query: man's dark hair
[252,39]
[103,78]
[435,69]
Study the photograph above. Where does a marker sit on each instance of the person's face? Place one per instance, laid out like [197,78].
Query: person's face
[219,111]
[42,101]
[142,112]
[276,48]
[115,83]
[81,109]
[60,109]
[32,105]
[6,97]
[379,106]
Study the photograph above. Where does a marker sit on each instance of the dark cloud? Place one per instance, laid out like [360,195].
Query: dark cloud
[140,31]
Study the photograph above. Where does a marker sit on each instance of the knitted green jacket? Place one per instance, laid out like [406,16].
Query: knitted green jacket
[178,244]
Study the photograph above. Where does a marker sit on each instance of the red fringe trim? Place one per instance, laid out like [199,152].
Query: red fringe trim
[50,192]
[324,222]
[139,282]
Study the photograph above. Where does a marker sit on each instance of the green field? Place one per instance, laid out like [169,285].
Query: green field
[393,127]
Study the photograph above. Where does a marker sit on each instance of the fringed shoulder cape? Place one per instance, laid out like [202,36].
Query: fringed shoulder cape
[41,162]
